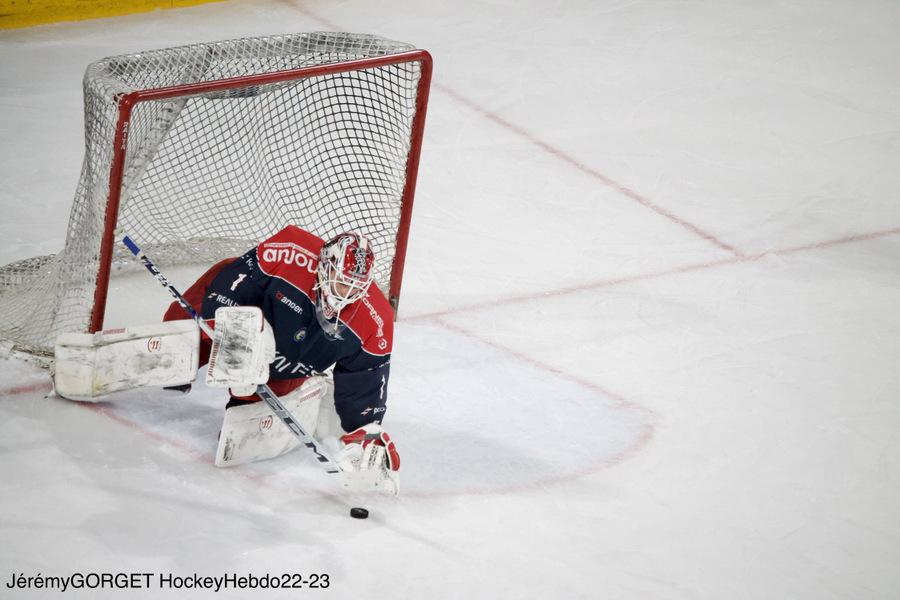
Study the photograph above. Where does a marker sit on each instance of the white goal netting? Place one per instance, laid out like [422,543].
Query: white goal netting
[213,170]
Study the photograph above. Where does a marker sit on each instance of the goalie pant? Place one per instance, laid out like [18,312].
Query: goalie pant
[279,277]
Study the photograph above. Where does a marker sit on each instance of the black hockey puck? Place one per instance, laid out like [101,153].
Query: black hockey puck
[359,513]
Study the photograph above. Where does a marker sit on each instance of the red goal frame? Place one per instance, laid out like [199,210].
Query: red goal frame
[128,101]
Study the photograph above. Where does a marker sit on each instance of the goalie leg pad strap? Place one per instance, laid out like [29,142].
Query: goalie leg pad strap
[91,365]
[251,432]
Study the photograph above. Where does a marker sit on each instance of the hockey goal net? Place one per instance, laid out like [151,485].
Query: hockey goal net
[202,151]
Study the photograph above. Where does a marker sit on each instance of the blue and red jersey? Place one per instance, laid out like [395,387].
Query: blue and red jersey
[279,276]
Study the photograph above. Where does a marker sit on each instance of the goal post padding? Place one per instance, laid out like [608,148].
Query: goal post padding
[199,152]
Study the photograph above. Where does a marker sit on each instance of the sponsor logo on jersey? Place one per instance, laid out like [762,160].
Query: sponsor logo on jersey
[224,300]
[154,344]
[374,411]
[300,335]
[265,423]
[283,365]
[289,303]
[290,254]
[382,343]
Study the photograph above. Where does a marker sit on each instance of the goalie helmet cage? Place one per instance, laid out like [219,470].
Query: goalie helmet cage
[200,152]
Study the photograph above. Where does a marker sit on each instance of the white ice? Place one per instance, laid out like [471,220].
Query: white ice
[648,344]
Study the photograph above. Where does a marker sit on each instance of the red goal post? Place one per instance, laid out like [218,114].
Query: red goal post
[217,158]
[127,102]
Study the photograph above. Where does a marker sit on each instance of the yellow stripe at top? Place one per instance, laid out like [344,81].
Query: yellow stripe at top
[25,13]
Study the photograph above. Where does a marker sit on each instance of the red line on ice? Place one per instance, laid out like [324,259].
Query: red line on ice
[605,283]
[590,171]
[41,386]
[193,453]
[646,434]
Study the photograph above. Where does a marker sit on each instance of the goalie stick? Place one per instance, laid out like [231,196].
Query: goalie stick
[263,391]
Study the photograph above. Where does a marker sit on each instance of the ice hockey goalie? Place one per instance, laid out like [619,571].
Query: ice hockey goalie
[295,312]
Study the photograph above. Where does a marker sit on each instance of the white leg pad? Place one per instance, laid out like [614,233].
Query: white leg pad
[90,366]
[252,432]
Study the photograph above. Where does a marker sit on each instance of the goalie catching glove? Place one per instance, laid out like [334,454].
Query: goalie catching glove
[369,460]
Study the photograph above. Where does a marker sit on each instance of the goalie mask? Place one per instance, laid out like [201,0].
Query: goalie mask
[344,275]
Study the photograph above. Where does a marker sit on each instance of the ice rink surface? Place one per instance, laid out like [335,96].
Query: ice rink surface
[648,339]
